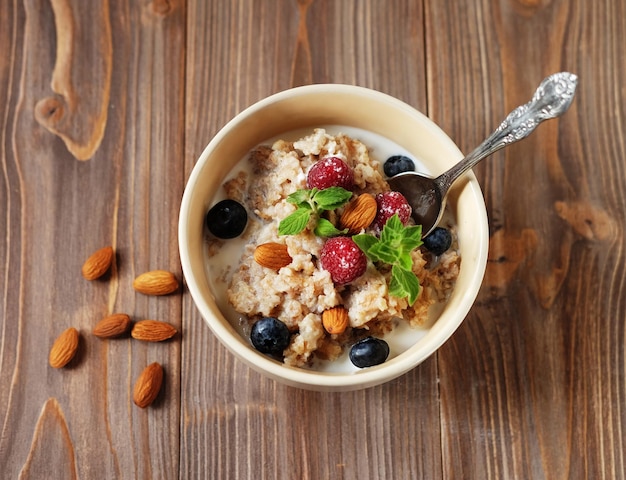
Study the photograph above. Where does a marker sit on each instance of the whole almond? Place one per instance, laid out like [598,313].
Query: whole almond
[98,263]
[64,348]
[156,282]
[359,213]
[112,326]
[152,331]
[148,385]
[272,255]
[335,320]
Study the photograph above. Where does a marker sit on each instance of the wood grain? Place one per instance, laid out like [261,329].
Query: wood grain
[544,369]
[81,81]
[239,424]
[104,109]
[59,210]
[51,434]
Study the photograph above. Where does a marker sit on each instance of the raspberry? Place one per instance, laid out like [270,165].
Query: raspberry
[343,259]
[390,203]
[330,172]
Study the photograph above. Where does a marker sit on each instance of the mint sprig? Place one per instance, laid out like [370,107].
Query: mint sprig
[394,248]
[311,203]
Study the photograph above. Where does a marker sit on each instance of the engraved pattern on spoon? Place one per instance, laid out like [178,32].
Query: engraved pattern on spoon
[551,99]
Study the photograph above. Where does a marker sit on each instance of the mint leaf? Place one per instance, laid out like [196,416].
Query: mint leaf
[408,244]
[365,242]
[394,248]
[296,222]
[331,198]
[396,289]
[404,281]
[405,260]
[393,230]
[414,234]
[401,238]
[311,203]
[411,238]
[384,252]
[325,228]
[300,197]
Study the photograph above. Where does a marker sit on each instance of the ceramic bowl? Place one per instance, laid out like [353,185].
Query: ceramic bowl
[308,107]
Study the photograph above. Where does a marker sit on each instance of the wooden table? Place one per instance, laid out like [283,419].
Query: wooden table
[105,107]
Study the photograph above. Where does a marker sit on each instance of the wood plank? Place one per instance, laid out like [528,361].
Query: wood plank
[532,384]
[237,424]
[104,108]
[99,82]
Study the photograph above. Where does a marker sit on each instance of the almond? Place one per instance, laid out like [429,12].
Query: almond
[152,331]
[156,282]
[148,385]
[335,320]
[272,255]
[64,348]
[98,263]
[359,213]
[112,326]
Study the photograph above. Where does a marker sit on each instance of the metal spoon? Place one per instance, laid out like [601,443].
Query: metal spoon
[427,195]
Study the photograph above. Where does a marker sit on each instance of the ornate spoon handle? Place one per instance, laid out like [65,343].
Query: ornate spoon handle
[551,99]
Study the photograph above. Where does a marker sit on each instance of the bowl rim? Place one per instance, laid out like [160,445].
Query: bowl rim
[309,379]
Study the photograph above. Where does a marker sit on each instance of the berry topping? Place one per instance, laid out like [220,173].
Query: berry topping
[369,352]
[438,241]
[270,335]
[398,164]
[330,172]
[227,219]
[343,259]
[390,203]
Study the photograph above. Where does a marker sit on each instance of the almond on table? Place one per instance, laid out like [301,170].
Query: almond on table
[152,331]
[156,282]
[148,385]
[98,263]
[112,326]
[64,348]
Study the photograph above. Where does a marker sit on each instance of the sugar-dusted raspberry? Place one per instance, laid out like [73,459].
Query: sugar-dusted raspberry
[330,172]
[390,203]
[343,259]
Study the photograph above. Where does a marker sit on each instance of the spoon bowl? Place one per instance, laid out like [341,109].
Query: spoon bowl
[427,195]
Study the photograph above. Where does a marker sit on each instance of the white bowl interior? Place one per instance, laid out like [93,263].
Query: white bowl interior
[310,107]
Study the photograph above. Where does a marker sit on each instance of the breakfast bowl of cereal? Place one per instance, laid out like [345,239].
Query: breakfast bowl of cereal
[302,260]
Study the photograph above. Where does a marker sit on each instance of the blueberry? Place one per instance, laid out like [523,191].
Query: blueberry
[369,352]
[270,335]
[227,219]
[438,241]
[398,164]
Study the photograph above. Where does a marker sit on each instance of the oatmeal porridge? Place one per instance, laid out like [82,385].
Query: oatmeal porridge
[316,273]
